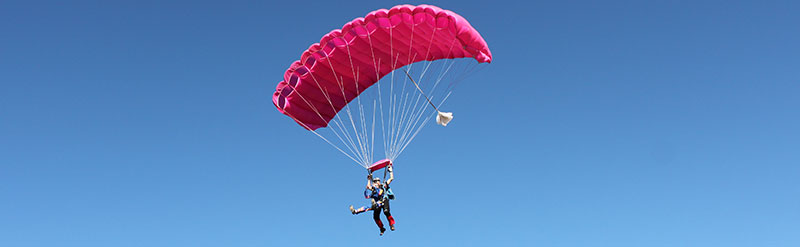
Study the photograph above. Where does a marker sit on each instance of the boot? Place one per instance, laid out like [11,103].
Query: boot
[380,225]
[391,222]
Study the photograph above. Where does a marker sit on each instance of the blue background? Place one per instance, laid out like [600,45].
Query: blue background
[599,123]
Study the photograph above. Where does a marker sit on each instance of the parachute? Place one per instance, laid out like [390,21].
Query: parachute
[326,90]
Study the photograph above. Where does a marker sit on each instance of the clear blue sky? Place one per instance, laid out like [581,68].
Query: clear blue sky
[599,123]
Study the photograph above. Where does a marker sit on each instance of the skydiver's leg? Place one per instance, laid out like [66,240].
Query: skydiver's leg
[359,210]
[388,214]
[376,215]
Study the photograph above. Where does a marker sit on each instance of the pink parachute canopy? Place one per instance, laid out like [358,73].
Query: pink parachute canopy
[346,62]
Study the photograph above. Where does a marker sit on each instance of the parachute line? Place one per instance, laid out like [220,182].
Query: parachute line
[420,90]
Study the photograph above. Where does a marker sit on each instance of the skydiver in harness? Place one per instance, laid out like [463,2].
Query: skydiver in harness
[380,194]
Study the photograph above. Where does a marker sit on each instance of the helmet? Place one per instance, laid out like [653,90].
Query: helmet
[376,179]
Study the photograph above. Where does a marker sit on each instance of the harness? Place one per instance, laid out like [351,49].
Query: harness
[374,194]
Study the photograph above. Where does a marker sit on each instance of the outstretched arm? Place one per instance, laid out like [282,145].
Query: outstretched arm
[391,175]
[369,181]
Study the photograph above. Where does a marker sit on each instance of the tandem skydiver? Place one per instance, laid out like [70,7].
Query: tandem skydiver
[379,194]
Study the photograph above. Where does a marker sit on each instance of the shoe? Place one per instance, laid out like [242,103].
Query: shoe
[391,227]
[353,211]
[382,230]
